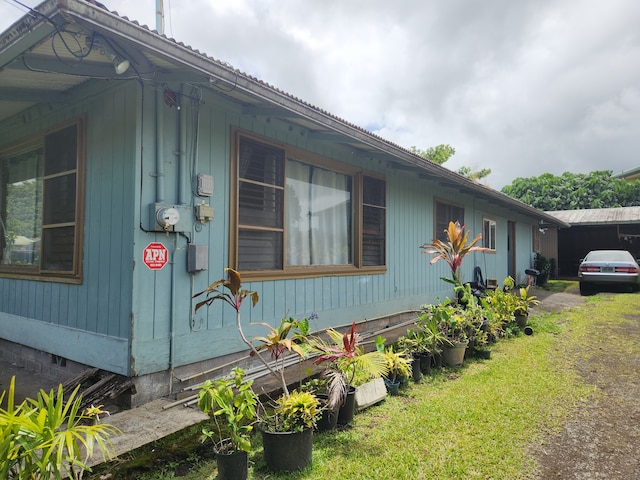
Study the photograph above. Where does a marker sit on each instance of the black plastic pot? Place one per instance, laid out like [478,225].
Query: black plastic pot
[348,408]
[233,465]
[287,451]
[425,363]
[329,418]
[392,387]
[437,360]
[416,372]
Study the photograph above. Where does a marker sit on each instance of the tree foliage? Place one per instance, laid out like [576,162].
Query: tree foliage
[438,154]
[441,153]
[575,191]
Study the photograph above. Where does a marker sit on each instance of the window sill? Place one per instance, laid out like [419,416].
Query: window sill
[38,277]
[310,272]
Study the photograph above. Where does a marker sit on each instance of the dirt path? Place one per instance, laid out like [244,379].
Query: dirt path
[603,440]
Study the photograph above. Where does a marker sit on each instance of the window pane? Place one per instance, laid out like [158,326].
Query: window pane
[446,213]
[57,248]
[260,205]
[373,191]
[319,216]
[60,149]
[261,163]
[60,199]
[373,231]
[259,250]
[20,217]
[492,233]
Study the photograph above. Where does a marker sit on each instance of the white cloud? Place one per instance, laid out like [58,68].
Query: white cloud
[522,87]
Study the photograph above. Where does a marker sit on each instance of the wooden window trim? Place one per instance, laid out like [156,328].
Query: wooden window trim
[73,276]
[495,242]
[294,272]
[442,201]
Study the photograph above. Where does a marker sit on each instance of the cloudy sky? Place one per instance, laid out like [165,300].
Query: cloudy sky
[521,87]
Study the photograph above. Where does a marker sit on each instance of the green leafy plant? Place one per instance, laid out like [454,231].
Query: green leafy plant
[234,400]
[398,364]
[294,412]
[49,437]
[523,301]
[452,321]
[453,250]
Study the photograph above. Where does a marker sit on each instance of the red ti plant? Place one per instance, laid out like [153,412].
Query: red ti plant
[347,361]
[453,250]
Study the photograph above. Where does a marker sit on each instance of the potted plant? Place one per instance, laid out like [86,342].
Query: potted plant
[434,339]
[410,343]
[398,366]
[452,322]
[347,363]
[522,303]
[290,337]
[328,419]
[233,401]
[287,431]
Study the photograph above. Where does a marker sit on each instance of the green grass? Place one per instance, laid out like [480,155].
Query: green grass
[480,421]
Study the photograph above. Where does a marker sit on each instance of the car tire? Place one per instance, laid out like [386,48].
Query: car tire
[585,289]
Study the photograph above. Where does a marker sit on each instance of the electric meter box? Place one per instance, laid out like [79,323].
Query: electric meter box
[197,258]
[170,218]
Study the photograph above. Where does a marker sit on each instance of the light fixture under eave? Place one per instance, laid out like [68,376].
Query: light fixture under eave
[120,64]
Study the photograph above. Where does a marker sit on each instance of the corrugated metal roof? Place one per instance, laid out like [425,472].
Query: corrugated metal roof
[34,70]
[599,216]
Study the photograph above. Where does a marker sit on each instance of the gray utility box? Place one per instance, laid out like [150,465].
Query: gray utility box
[197,257]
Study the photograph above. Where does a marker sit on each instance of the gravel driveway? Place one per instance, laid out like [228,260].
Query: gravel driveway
[602,441]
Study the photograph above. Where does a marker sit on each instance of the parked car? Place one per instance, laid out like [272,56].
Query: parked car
[608,267]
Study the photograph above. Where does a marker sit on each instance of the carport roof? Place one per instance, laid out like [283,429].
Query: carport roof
[598,216]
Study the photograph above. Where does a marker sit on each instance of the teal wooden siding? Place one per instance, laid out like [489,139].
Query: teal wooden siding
[90,322]
[129,319]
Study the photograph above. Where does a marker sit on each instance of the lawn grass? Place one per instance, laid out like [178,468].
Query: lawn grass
[480,421]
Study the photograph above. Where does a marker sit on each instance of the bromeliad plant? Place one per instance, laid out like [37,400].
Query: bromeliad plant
[453,250]
[231,399]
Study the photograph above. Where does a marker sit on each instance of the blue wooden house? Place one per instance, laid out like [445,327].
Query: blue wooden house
[134,169]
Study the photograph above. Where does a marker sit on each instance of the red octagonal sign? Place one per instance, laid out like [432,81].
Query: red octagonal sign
[155,255]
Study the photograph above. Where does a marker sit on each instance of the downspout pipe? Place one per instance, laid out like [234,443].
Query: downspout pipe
[182,150]
[159,147]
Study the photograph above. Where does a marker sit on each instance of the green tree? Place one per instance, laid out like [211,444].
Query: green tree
[474,175]
[575,191]
[441,153]
[438,154]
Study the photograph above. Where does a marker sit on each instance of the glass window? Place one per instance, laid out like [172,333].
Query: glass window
[445,213]
[319,220]
[39,204]
[294,213]
[489,233]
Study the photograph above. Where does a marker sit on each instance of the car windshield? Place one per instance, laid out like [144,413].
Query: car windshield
[609,256]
